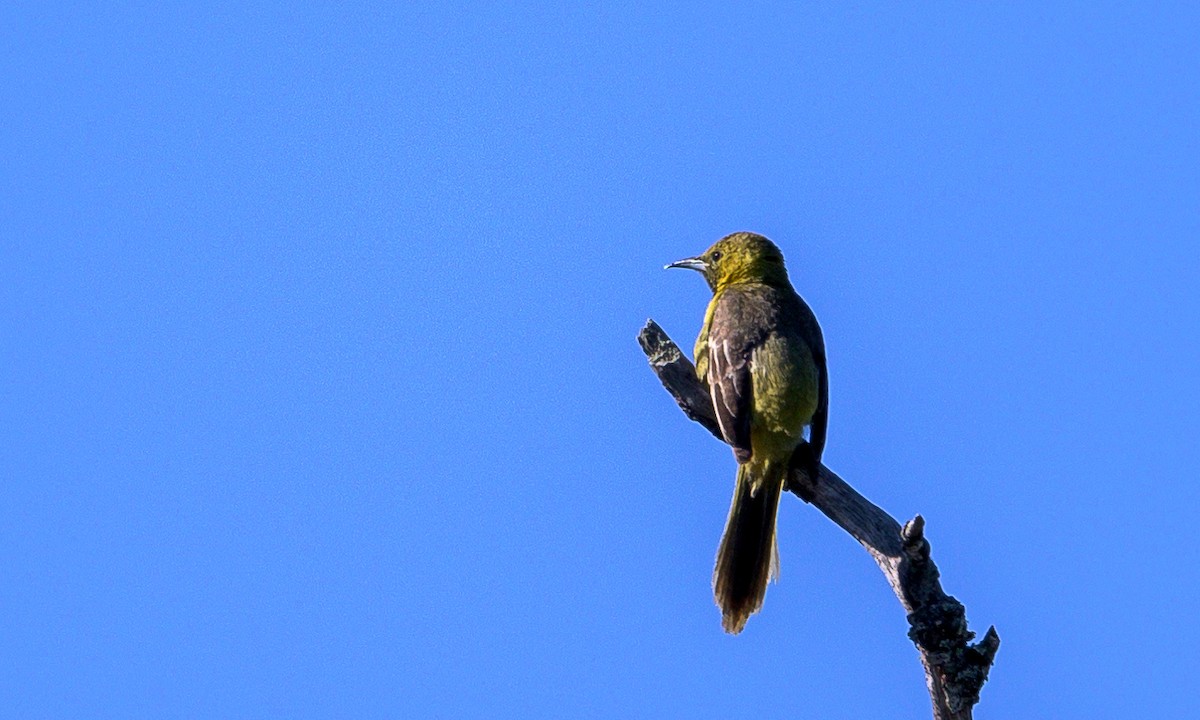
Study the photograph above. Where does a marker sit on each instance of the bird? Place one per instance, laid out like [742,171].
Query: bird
[762,356]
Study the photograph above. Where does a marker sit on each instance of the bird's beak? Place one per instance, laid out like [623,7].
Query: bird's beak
[693,263]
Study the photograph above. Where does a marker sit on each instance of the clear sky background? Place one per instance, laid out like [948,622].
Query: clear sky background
[320,394]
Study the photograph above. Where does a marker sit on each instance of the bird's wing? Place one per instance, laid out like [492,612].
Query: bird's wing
[820,421]
[729,350]
[810,332]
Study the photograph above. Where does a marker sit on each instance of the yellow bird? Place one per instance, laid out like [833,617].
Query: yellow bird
[762,356]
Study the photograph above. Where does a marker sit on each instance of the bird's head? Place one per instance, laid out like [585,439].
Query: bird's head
[742,257]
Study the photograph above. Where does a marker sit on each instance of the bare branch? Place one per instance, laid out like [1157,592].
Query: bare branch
[955,668]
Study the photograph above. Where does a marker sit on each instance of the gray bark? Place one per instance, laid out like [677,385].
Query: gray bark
[955,668]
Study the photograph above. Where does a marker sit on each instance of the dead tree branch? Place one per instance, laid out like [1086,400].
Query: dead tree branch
[955,668]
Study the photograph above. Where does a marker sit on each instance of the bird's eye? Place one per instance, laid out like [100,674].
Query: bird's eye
[716,256]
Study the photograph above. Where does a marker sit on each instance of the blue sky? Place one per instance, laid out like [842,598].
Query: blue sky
[320,394]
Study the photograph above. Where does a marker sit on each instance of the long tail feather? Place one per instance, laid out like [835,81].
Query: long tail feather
[748,558]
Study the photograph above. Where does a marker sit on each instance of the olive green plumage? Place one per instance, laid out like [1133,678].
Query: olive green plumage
[762,356]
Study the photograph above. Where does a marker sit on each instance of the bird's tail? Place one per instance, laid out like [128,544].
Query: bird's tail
[748,559]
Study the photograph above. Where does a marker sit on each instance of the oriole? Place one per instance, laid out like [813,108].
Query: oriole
[762,355]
